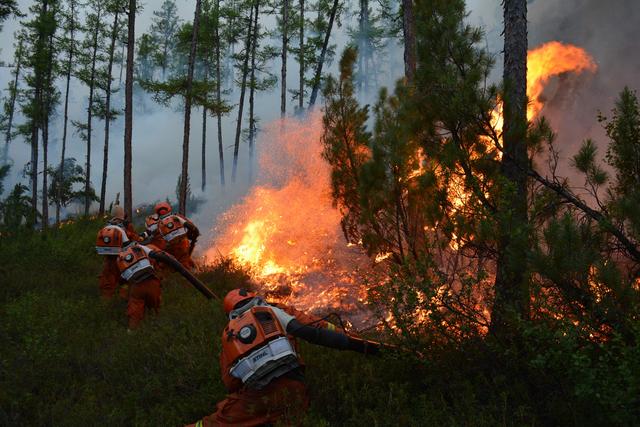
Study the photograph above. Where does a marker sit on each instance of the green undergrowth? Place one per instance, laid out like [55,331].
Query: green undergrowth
[67,360]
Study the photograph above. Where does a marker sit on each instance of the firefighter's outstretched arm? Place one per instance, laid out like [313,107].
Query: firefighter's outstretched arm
[169,260]
[328,338]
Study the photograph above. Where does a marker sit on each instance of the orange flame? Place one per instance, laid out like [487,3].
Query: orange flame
[552,59]
[286,229]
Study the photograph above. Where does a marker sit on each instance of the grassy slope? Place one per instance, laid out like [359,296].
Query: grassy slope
[66,358]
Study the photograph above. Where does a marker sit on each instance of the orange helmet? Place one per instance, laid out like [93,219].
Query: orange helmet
[235,297]
[162,208]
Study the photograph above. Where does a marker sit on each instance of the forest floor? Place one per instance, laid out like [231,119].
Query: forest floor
[67,360]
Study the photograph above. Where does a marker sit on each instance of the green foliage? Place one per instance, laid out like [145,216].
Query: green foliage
[15,210]
[64,182]
[420,190]
[345,142]
[623,131]
[67,360]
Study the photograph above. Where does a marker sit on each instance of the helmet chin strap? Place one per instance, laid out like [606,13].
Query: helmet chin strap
[255,301]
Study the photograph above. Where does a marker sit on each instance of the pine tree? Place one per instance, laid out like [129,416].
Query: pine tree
[90,60]
[164,28]
[409,38]
[69,45]
[107,113]
[37,97]
[182,202]
[217,41]
[145,62]
[325,51]
[128,109]
[9,105]
[8,8]
[260,79]
[511,284]
[284,24]
[370,38]
[244,58]
[419,189]
[49,100]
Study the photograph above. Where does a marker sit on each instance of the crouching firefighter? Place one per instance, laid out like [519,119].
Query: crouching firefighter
[260,362]
[110,239]
[138,265]
[179,234]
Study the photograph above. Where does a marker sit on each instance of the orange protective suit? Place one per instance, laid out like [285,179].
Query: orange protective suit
[180,235]
[110,277]
[140,271]
[143,296]
[181,250]
[284,399]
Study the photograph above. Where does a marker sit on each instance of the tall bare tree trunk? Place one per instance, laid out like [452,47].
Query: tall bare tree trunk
[301,58]
[92,84]
[243,86]
[184,177]
[511,284]
[107,117]
[283,71]
[252,90]
[122,56]
[128,109]
[204,148]
[218,92]
[45,138]
[66,110]
[325,45]
[34,164]
[12,102]
[409,35]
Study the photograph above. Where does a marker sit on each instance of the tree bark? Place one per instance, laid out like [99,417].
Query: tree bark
[243,86]
[409,35]
[323,53]
[107,118]
[283,71]
[128,109]
[218,92]
[37,118]
[204,148]
[45,138]
[92,84]
[12,102]
[252,90]
[511,284]
[184,181]
[301,58]
[66,110]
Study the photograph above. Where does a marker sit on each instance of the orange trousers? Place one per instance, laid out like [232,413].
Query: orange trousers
[143,296]
[180,250]
[284,400]
[110,277]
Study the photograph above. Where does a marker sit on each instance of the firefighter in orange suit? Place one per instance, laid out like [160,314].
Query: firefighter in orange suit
[260,363]
[108,243]
[152,234]
[138,265]
[179,234]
